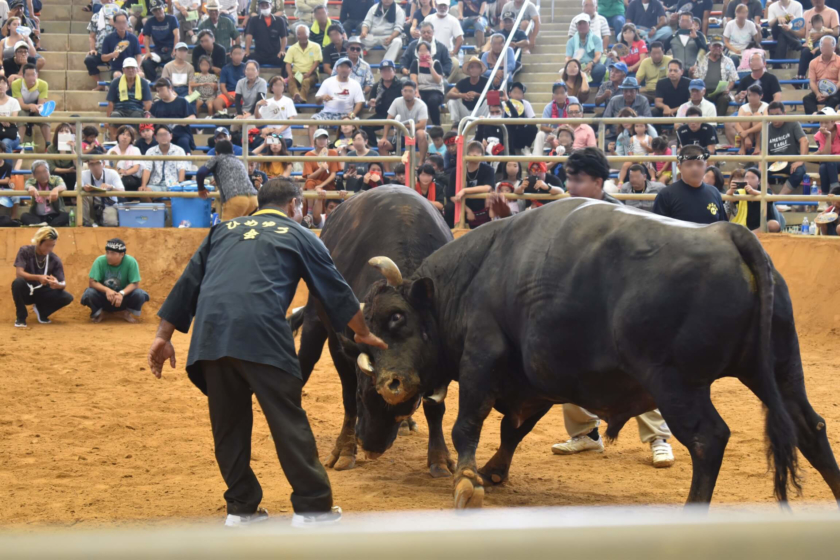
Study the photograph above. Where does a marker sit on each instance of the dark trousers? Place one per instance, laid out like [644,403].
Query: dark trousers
[805,58]
[55,219]
[230,384]
[784,42]
[131,183]
[97,301]
[351,25]
[48,300]
[810,103]
[93,62]
[150,66]
[721,102]
[828,177]
[433,99]
[70,183]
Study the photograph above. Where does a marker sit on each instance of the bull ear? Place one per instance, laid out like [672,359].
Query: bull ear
[349,346]
[422,293]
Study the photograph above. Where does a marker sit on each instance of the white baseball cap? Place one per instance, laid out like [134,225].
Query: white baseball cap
[129,62]
[321,132]
[181,45]
[21,45]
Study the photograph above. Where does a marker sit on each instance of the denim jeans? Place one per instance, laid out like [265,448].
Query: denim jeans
[9,146]
[828,177]
[796,176]
[616,23]
[597,73]
[661,34]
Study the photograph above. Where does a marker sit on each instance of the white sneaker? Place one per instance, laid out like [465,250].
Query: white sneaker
[663,456]
[309,520]
[578,444]
[38,315]
[242,520]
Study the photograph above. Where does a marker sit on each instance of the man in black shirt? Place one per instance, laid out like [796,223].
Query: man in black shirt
[12,66]
[690,199]
[673,92]
[242,345]
[440,52]
[465,94]
[353,13]
[769,83]
[268,35]
[480,179]
[383,93]
[335,50]
[207,46]
[699,134]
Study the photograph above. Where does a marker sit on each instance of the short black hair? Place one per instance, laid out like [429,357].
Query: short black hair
[164,126]
[90,130]
[436,132]
[657,45]
[163,82]
[719,180]
[637,167]
[224,147]
[278,192]
[436,160]
[28,67]
[118,14]
[776,105]
[334,28]
[678,62]
[427,169]
[693,112]
[399,169]
[237,46]
[407,83]
[590,161]
[474,145]
[756,88]
[205,32]
[659,143]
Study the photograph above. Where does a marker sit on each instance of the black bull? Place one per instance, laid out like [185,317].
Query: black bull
[398,223]
[611,308]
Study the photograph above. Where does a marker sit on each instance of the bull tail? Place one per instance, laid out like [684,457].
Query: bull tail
[780,430]
[295,320]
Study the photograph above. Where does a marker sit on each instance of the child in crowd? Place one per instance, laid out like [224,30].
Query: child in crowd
[206,83]
[450,157]
[661,170]
[147,138]
[258,177]
[399,174]
[748,135]
[816,32]
[504,187]
[344,139]
[437,146]
[90,141]
[639,144]
[274,146]
[179,70]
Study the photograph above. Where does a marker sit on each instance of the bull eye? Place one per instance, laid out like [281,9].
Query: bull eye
[396,320]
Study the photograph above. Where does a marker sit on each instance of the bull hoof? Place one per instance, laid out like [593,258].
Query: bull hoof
[408,427]
[493,477]
[469,494]
[345,463]
[331,460]
[438,470]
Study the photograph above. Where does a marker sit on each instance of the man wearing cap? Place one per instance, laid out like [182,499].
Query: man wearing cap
[220,134]
[649,15]
[629,97]
[224,29]
[673,92]
[114,282]
[586,47]
[690,199]
[652,69]
[383,25]
[609,88]
[302,60]
[231,74]
[116,48]
[238,195]
[472,14]
[12,66]
[162,30]
[319,32]
[342,97]
[520,39]
[31,93]
[383,93]
[686,43]
[360,70]
[531,13]
[824,67]
[597,23]
[558,108]
[440,52]
[447,28]
[335,50]
[463,97]
[409,106]
[268,34]
[716,68]
[100,210]
[697,98]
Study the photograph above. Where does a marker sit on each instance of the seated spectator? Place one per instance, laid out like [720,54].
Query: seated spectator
[187,14]
[557,109]
[274,145]
[31,93]
[322,209]
[222,133]
[402,109]
[633,141]
[224,29]
[39,279]
[436,145]
[613,11]
[384,92]
[441,175]
[342,97]
[759,74]
[399,174]
[178,71]
[714,177]
[699,9]
[302,60]
[63,168]
[10,41]
[344,136]
[114,285]
[206,83]
[353,15]
[689,198]
[779,16]
[818,23]
[511,173]
[146,139]
[828,143]
[280,107]
[101,26]
[638,182]
[747,212]
[128,169]
[160,175]
[238,196]
[740,33]
[90,140]
[450,159]
[12,66]
[258,178]
[249,90]
[824,67]
[597,23]
[650,19]
[447,29]
[629,99]
[9,107]
[686,43]
[662,171]
[207,46]
[305,10]
[416,12]
[440,53]
[360,71]
[531,14]
[713,69]
[319,31]
[383,25]
[100,210]
[355,170]
[701,134]
[427,188]
[489,134]
[428,75]
[787,139]
[673,92]
[637,49]
[171,106]
[480,179]
[320,175]
[587,48]
[116,47]
[510,65]
[653,69]
[162,30]
[520,39]
[268,35]
[336,49]
[582,135]
[46,206]
[463,98]
[129,96]
[472,15]
[830,227]
[374,177]
[539,181]
[755,11]
[608,88]
[231,74]
[749,133]
[697,98]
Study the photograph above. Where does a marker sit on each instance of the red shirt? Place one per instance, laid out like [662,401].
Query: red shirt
[636,50]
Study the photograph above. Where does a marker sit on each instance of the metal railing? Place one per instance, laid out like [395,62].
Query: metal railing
[763,159]
[406,129]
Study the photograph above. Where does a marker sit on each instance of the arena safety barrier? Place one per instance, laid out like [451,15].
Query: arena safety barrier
[763,159]
[406,129]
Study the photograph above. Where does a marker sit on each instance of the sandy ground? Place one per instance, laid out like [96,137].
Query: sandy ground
[90,437]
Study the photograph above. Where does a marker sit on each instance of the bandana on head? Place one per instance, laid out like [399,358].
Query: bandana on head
[702,156]
[451,140]
[116,245]
[540,165]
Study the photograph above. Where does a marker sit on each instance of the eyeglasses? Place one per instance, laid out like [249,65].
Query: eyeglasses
[354,49]
[575,112]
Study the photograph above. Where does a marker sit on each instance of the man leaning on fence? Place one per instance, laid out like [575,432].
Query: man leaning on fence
[100,210]
[46,205]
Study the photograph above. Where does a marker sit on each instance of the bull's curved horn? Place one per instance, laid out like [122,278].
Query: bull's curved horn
[362,306]
[363,361]
[439,394]
[389,270]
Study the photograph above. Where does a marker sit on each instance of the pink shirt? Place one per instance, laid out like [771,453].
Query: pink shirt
[584,137]
[835,144]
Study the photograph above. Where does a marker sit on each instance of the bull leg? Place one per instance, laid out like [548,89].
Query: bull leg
[812,441]
[343,455]
[408,427]
[496,470]
[439,462]
[312,337]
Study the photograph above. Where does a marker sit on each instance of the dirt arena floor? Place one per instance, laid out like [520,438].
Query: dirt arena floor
[90,437]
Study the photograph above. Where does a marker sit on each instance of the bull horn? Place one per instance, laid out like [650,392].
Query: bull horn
[363,361]
[389,270]
[438,395]
[361,306]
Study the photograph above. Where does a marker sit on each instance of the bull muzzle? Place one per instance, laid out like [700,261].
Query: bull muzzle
[396,388]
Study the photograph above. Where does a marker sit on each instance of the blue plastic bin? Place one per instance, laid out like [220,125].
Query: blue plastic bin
[196,211]
[142,215]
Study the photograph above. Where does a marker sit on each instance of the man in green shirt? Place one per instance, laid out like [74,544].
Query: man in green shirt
[223,28]
[613,10]
[114,280]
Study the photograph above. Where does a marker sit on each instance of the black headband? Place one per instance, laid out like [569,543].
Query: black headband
[116,245]
[703,156]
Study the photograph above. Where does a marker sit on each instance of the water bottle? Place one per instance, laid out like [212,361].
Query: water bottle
[186,224]
[815,190]
[214,218]
[805,226]
[72,213]
[812,229]
[461,58]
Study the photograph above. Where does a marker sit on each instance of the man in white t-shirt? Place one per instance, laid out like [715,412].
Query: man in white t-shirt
[531,14]
[739,33]
[342,97]
[697,93]
[409,106]
[447,28]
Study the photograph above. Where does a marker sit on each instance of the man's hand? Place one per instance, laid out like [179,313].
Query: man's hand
[820,97]
[326,98]
[54,194]
[111,295]
[92,52]
[44,280]
[160,351]
[144,189]
[498,205]
[118,299]
[33,192]
[795,165]
[370,339]
[693,33]
[53,283]
[387,40]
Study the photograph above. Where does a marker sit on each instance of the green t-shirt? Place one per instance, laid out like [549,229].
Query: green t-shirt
[115,277]
[610,8]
